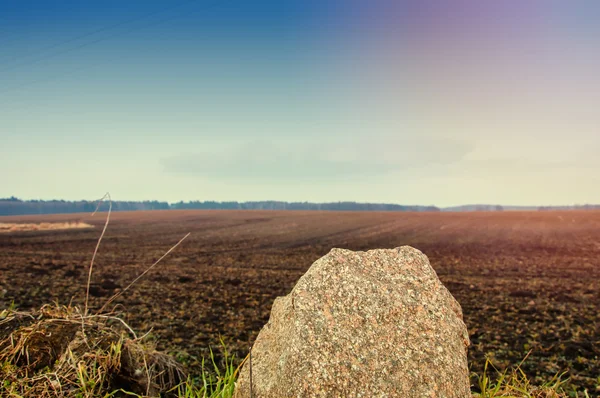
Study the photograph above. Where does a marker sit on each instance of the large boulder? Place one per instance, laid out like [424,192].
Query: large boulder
[362,324]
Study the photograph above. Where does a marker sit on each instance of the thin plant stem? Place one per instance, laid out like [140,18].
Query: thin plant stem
[87,291]
[110,300]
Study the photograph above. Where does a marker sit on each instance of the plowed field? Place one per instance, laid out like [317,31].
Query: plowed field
[525,280]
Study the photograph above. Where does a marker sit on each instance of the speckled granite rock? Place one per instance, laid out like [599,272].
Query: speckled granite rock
[362,324]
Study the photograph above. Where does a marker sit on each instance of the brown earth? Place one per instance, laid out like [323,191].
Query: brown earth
[525,280]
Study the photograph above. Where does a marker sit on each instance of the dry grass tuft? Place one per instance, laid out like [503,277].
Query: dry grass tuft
[516,384]
[59,352]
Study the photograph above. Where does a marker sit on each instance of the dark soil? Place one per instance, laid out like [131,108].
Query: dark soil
[525,280]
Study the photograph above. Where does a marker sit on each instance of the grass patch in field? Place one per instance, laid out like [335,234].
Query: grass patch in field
[516,384]
[218,382]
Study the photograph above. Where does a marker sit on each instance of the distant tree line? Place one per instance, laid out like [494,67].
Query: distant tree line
[276,205]
[475,208]
[574,207]
[15,206]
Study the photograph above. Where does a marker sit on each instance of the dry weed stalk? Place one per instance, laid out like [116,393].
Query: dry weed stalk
[110,300]
[87,292]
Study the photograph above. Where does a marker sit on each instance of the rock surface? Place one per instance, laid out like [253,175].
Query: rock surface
[362,324]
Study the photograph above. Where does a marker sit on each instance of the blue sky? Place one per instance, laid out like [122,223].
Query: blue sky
[408,102]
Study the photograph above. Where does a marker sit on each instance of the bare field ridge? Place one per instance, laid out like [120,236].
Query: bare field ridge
[43,226]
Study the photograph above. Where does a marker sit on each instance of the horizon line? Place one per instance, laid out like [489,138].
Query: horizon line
[14,198]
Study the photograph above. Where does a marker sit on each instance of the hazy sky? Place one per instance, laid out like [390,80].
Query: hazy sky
[415,102]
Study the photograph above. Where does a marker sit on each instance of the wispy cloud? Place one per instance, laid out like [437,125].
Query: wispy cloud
[323,160]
